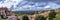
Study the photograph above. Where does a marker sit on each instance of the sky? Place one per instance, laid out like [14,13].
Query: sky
[33,5]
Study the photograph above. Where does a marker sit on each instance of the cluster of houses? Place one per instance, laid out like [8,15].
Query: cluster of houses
[45,14]
[4,12]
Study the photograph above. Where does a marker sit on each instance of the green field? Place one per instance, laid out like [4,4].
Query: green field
[57,17]
[0,18]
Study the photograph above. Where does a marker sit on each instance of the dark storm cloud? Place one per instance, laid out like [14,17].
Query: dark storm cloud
[56,1]
[40,0]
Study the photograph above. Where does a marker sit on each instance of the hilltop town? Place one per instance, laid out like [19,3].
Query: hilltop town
[4,13]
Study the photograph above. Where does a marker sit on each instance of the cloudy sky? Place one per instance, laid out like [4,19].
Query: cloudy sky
[35,5]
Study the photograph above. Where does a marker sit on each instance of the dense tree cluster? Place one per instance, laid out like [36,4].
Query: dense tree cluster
[52,14]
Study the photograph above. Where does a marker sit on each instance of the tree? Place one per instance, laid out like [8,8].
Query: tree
[52,14]
[25,18]
[40,18]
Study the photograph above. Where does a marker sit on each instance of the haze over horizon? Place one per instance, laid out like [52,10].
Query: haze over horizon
[33,5]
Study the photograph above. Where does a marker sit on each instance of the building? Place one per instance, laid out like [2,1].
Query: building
[4,12]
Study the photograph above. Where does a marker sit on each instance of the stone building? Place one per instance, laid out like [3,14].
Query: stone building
[57,10]
[4,12]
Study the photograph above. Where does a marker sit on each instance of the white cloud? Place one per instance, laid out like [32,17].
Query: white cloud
[9,3]
[47,6]
[36,6]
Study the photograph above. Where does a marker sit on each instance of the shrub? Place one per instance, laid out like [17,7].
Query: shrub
[40,18]
[25,18]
